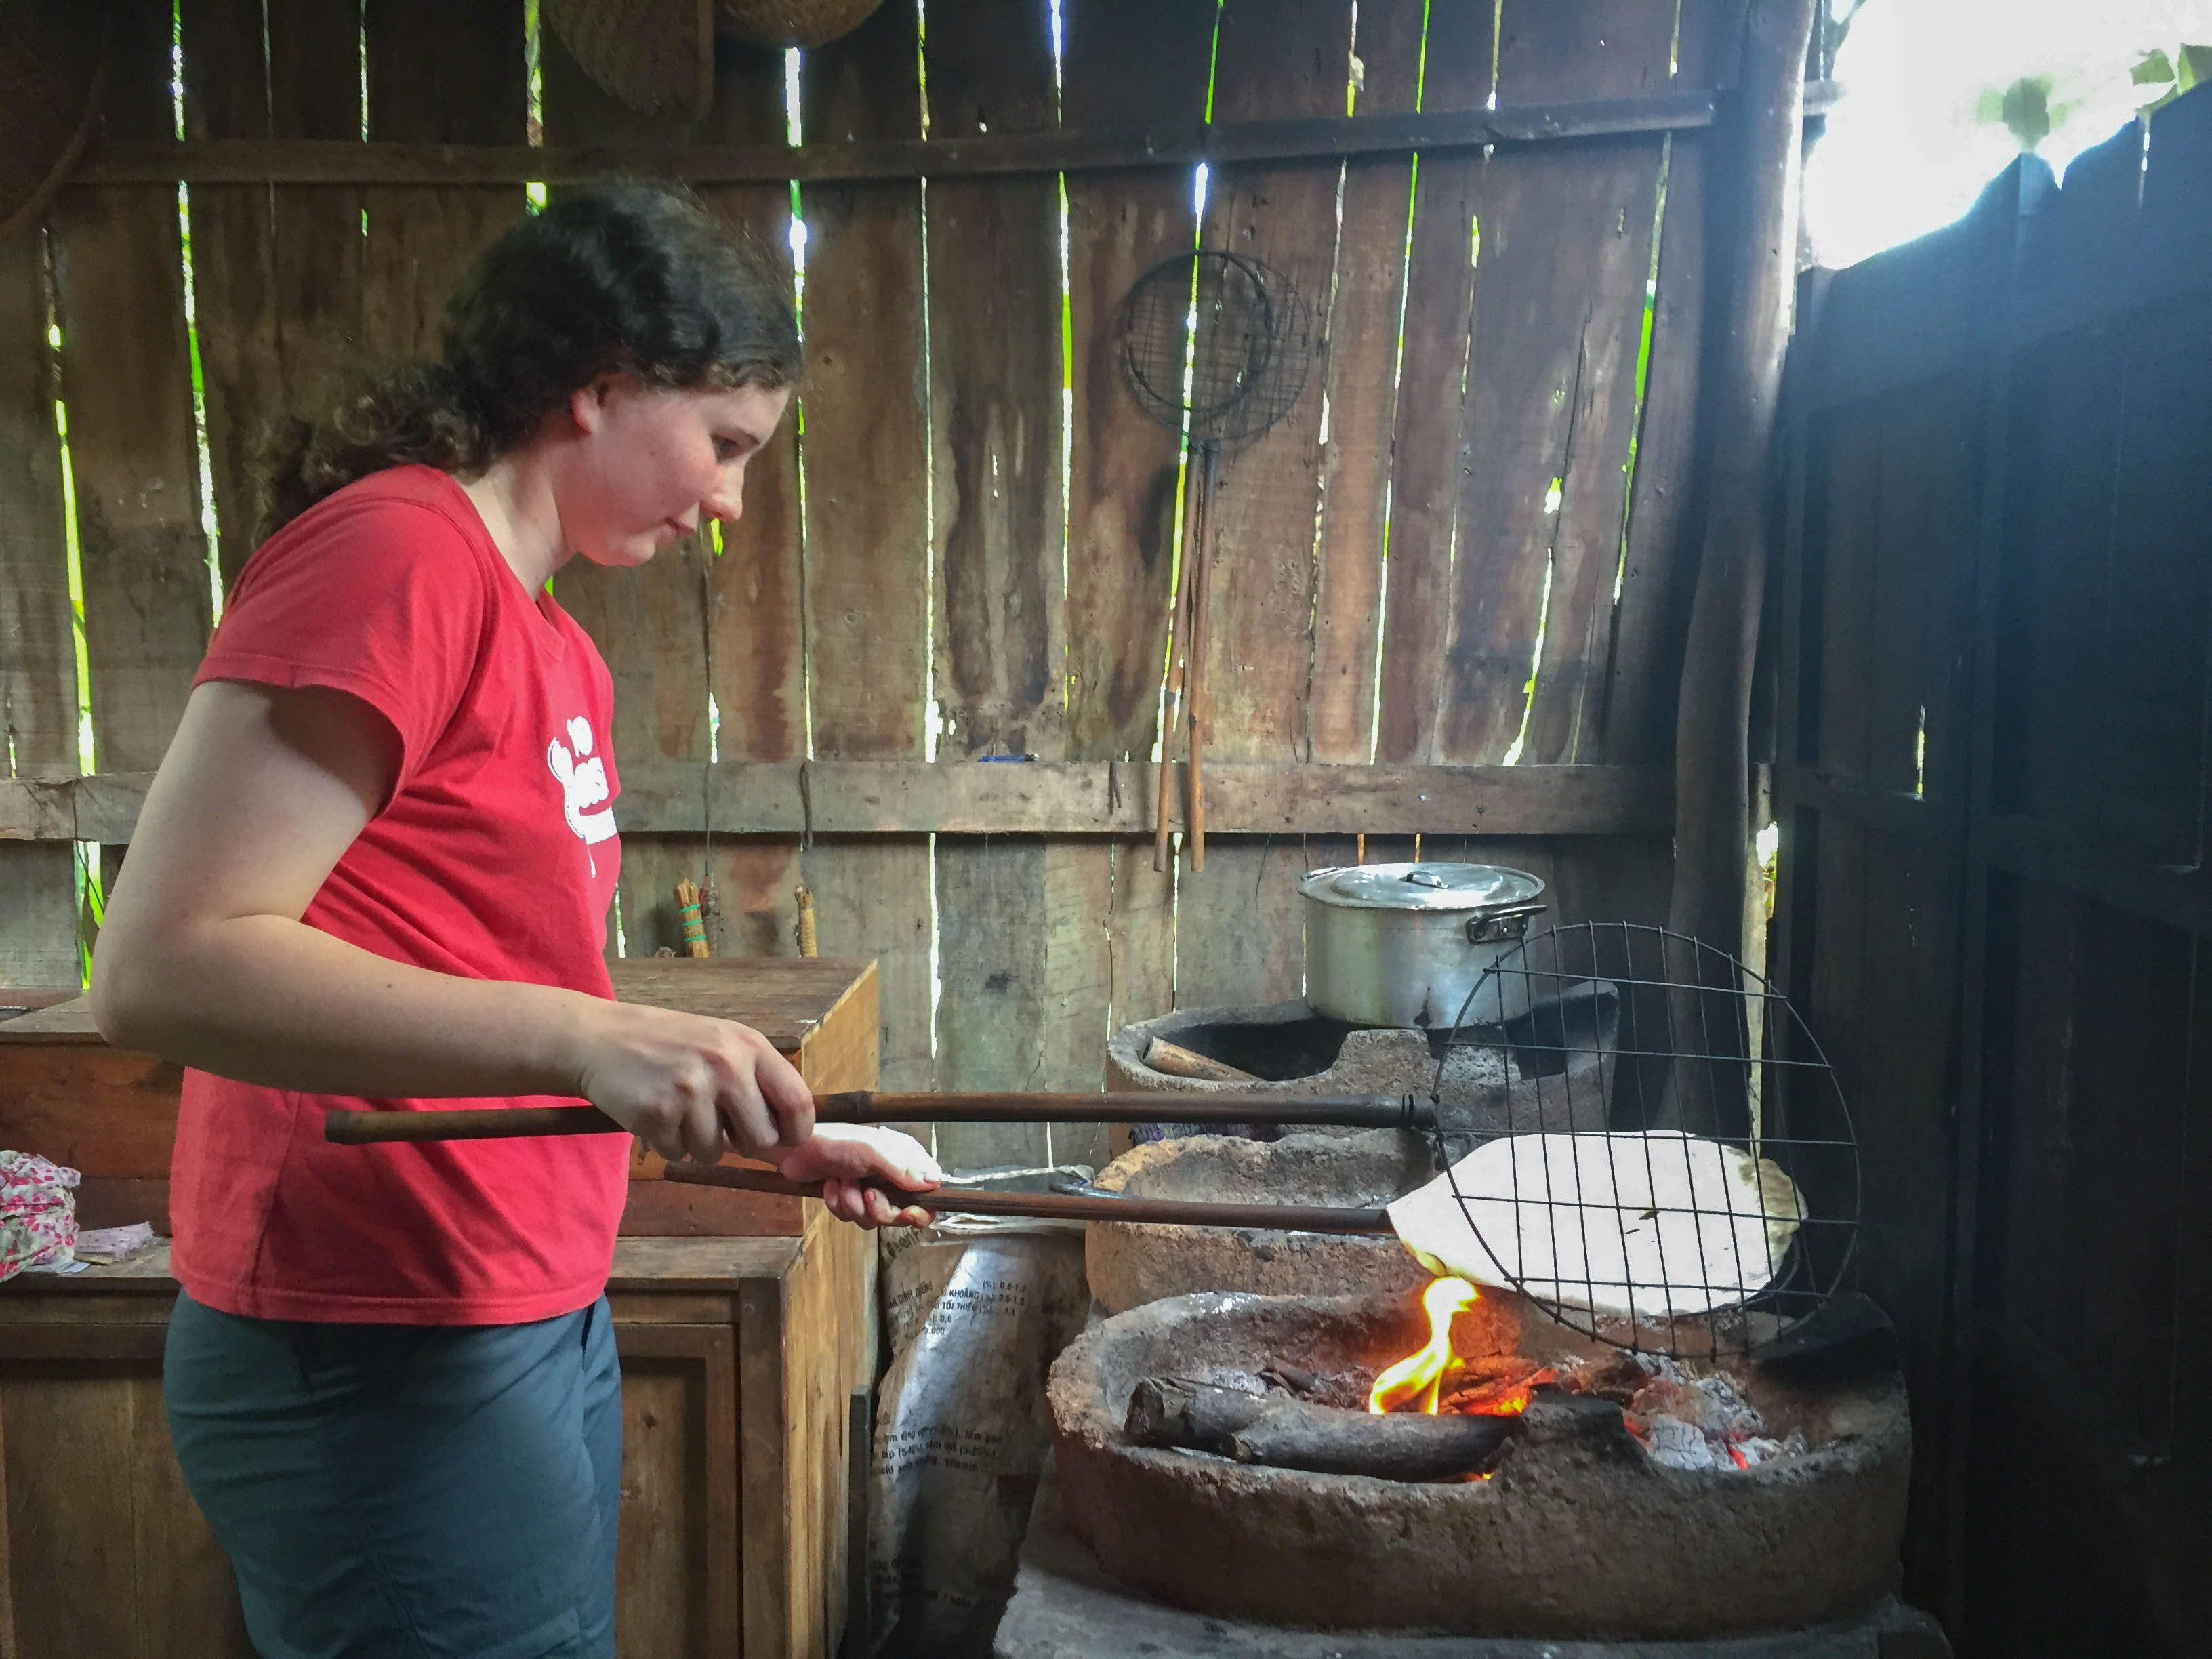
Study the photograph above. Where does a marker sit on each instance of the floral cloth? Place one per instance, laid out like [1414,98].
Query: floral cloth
[37,1213]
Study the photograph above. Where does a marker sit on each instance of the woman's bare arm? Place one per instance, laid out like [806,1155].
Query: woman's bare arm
[204,958]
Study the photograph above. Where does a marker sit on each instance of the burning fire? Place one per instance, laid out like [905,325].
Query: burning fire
[1417,1381]
[1421,1374]
[1682,1418]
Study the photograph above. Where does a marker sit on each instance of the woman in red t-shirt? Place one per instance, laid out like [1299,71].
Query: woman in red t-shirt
[373,872]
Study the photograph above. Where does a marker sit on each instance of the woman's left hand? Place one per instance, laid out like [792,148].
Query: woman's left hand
[855,1163]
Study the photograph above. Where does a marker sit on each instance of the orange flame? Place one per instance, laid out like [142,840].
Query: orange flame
[1421,1374]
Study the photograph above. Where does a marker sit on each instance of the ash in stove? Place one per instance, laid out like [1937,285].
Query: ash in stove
[1687,1417]
[1681,1419]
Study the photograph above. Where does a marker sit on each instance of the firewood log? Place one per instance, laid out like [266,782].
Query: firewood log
[1179,1061]
[1393,1446]
[1171,1411]
[1295,1434]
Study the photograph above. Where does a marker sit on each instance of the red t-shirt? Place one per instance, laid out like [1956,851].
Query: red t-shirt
[495,858]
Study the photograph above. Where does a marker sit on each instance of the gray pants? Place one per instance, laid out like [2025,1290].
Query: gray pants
[400,1491]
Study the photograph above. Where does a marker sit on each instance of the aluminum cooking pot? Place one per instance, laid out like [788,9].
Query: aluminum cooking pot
[1404,944]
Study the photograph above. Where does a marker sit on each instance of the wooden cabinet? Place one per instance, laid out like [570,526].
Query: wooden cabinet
[738,1355]
[740,1350]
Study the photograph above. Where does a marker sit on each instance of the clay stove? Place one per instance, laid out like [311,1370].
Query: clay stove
[1640,1504]
[1133,1263]
[1553,1061]
[1577,1531]
[1550,1065]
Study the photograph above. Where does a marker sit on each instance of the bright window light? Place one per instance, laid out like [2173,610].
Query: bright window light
[1930,87]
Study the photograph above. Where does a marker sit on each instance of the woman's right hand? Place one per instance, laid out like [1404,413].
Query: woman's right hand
[692,1086]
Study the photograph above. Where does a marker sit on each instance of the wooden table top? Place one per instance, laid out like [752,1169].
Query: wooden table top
[706,1264]
[785,999]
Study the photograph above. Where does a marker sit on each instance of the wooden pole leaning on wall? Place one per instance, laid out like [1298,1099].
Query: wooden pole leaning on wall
[1712,764]
[1712,755]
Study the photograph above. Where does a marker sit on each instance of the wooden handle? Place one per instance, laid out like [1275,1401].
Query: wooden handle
[1182,670]
[1061,1207]
[483,1123]
[1197,838]
[1257,1106]
[1164,780]
[864,1106]
[1163,812]
[1196,695]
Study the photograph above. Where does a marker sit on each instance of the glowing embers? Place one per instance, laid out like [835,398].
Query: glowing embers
[1683,1417]
[1504,1389]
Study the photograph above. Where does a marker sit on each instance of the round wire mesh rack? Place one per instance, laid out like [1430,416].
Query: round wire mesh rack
[1663,1159]
[1219,337]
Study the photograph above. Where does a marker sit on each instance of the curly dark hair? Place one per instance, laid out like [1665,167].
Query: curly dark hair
[633,277]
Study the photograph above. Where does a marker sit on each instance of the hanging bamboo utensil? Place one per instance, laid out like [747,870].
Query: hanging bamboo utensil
[807,943]
[695,925]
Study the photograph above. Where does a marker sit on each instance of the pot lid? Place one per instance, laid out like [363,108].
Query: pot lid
[1422,886]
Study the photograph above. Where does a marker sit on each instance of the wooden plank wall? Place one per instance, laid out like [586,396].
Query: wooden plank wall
[1994,782]
[867,519]
[965,544]
[37,662]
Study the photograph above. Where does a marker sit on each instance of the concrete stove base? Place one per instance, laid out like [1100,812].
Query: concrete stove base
[1580,1534]
[1065,1607]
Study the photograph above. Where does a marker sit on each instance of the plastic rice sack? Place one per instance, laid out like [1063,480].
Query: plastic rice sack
[978,1307]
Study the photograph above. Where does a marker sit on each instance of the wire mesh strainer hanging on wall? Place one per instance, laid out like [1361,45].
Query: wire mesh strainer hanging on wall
[1247,363]
[1722,1202]
[1217,346]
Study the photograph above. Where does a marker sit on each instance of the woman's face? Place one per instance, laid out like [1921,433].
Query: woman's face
[651,464]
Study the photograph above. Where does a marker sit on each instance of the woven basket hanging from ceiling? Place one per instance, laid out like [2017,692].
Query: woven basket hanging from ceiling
[656,56]
[792,22]
[53,63]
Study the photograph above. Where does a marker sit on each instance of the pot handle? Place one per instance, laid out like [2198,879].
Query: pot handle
[1493,926]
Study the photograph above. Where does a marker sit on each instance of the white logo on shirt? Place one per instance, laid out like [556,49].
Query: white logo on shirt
[583,784]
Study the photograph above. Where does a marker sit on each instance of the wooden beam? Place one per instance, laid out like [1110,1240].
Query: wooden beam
[1891,811]
[40,808]
[2056,856]
[1712,804]
[1097,797]
[306,161]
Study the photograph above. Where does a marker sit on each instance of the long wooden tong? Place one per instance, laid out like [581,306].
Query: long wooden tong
[1407,1112]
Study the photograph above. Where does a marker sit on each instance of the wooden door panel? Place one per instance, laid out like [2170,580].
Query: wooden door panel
[106,1554]
[675,1566]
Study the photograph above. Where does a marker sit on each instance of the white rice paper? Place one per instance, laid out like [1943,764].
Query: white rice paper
[1647,1226]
